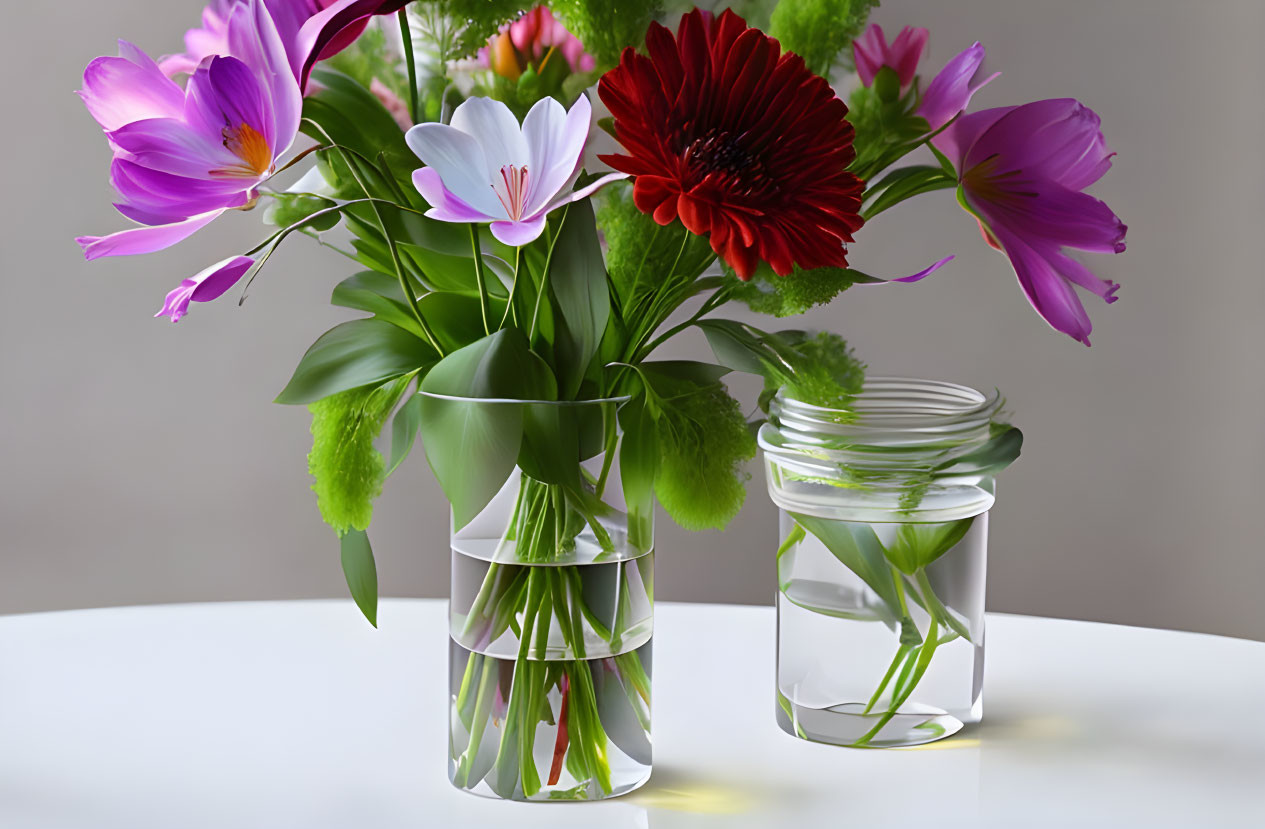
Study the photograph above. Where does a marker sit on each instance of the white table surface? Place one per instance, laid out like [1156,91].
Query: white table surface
[298,714]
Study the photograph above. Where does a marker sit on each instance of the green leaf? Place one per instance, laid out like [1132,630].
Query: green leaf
[353,354]
[917,545]
[353,117]
[501,365]
[404,428]
[857,547]
[455,318]
[912,181]
[1000,451]
[577,280]
[361,573]
[664,375]
[472,445]
[288,208]
[638,461]
[741,347]
[378,294]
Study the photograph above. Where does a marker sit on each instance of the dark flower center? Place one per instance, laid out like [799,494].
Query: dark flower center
[721,152]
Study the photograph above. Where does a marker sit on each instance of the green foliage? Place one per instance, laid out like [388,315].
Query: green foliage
[606,27]
[641,253]
[370,57]
[788,296]
[820,31]
[361,573]
[288,208]
[348,469]
[703,445]
[462,27]
[828,373]
[354,354]
[886,129]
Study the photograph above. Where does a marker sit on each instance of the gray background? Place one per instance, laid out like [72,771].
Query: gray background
[143,462]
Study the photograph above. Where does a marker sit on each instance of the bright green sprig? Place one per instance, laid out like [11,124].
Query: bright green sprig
[606,27]
[830,373]
[788,296]
[820,31]
[704,443]
[348,470]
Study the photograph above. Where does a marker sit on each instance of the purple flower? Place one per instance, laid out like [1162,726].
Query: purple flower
[183,157]
[871,53]
[485,168]
[205,286]
[951,90]
[340,22]
[1021,172]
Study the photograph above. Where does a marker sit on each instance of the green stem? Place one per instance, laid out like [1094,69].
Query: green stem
[479,278]
[482,708]
[410,61]
[887,677]
[510,312]
[924,659]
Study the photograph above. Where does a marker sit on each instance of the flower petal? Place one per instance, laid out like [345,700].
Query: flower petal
[1054,213]
[444,205]
[555,145]
[460,163]
[519,233]
[130,87]
[1059,139]
[584,192]
[925,272]
[204,286]
[144,239]
[950,91]
[253,38]
[496,130]
[960,136]
[171,146]
[1049,293]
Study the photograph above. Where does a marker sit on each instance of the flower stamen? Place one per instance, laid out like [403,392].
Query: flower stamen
[512,190]
[248,144]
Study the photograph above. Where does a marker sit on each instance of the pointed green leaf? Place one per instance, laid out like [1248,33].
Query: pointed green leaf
[361,573]
[577,280]
[917,545]
[355,354]
[404,428]
[857,547]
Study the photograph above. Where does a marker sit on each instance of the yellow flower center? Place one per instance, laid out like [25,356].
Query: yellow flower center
[248,144]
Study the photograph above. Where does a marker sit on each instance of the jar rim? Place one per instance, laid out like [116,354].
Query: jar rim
[909,401]
[618,400]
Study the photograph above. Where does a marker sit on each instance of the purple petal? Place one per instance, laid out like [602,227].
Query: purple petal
[1084,277]
[171,146]
[1049,293]
[905,53]
[253,37]
[925,272]
[322,30]
[519,233]
[868,52]
[143,239]
[1059,139]
[1054,213]
[584,192]
[119,90]
[460,163]
[444,205]
[173,196]
[950,91]
[960,136]
[239,96]
[204,286]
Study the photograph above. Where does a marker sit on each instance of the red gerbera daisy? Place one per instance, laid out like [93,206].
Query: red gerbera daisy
[740,140]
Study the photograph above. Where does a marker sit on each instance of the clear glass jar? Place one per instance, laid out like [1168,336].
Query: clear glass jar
[550,610]
[882,557]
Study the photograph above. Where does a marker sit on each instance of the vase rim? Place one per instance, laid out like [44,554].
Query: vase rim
[618,400]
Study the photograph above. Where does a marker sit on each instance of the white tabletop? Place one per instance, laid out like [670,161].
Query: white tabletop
[298,714]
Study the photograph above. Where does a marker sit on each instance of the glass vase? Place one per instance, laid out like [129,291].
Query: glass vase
[550,615]
[883,538]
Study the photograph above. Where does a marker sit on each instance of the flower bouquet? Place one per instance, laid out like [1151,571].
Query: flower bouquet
[513,290]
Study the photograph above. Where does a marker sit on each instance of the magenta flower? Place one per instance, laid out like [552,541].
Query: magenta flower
[871,53]
[340,22]
[485,168]
[538,31]
[204,286]
[1021,172]
[183,157]
[950,91]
